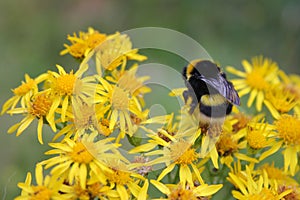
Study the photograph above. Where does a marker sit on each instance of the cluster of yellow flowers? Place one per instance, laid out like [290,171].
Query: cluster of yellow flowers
[106,145]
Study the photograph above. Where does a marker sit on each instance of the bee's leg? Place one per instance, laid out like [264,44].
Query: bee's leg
[185,95]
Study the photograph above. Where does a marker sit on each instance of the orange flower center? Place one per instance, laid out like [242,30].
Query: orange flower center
[182,194]
[119,177]
[120,99]
[77,50]
[226,145]
[40,193]
[288,128]
[80,154]
[256,80]
[95,39]
[65,84]
[24,88]
[40,106]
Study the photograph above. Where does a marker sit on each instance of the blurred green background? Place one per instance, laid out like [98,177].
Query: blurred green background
[33,33]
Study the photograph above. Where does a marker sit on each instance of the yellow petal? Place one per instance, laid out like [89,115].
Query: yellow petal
[143,192]
[207,190]
[234,71]
[82,175]
[246,158]
[271,108]
[197,173]
[214,157]
[26,122]
[166,171]
[39,174]
[39,130]
[113,119]
[247,66]
[143,148]
[72,173]
[252,97]
[274,148]
[185,175]
[122,192]
[64,108]
[259,100]
[160,186]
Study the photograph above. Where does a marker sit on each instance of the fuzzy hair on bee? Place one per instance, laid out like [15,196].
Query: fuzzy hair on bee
[209,90]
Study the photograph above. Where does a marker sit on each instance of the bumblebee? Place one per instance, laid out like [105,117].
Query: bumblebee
[209,90]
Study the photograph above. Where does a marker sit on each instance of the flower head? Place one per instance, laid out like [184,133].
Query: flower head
[186,191]
[256,80]
[115,51]
[37,108]
[24,92]
[46,188]
[287,131]
[82,44]
[78,157]
[64,87]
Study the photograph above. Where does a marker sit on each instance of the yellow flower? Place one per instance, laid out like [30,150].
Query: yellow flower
[95,189]
[115,51]
[256,80]
[81,45]
[176,151]
[37,108]
[287,130]
[252,187]
[122,179]
[259,137]
[46,188]
[186,191]
[291,84]
[64,87]
[24,92]
[278,175]
[119,105]
[279,100]
[76,158]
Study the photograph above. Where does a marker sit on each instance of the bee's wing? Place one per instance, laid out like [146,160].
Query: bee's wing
[224,87]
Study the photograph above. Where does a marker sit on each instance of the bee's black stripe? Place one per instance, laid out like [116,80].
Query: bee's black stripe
[216,111]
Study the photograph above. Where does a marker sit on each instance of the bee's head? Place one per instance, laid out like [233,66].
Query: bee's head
[202,68]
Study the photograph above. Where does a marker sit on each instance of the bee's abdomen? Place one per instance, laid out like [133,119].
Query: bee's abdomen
[214,106]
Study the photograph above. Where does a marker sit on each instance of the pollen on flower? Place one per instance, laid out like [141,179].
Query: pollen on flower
[242,121]
[120,99]
[282,100]
[80,192]
[65,84]
[95,39]
[119,177]
[294,195]
[84,116]
[104,127]
[181,193]
[24,88]
[256,139]
[256,80]
[264,194]
[165,138]
[288,129]
[40,105]
[77,50]
[273,172]
[40,193]
[182,153]
[129,82]
[226,145]
[95,188]
[81,154]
